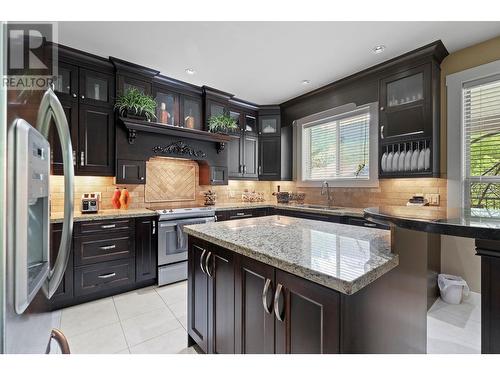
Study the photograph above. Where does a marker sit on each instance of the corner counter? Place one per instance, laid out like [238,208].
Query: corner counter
[423,226]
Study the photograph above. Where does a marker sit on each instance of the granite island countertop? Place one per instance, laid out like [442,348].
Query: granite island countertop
[341,257]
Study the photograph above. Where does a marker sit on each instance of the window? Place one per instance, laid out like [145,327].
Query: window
[481,127]
[338,148]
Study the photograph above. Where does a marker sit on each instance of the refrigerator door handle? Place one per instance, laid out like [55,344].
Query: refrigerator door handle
[50,107]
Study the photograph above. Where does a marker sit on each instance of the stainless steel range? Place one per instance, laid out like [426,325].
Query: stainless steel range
[172,241]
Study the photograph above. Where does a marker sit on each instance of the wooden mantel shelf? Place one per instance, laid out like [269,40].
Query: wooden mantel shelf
[133,126]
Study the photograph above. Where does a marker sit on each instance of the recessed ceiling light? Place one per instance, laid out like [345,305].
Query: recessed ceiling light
[378,49]
[306,82]
[190,71]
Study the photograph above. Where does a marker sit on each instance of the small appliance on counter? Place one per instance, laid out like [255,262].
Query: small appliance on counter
[417,200]
[90,203]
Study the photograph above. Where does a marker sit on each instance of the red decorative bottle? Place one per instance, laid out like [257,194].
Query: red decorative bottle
[115,200]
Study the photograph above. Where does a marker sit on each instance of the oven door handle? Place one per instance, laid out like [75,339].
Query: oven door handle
[174,223]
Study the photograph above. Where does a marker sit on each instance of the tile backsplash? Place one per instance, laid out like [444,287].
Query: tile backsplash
[394,192]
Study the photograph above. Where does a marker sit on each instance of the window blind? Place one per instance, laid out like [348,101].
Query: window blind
[337,148]
[481,119]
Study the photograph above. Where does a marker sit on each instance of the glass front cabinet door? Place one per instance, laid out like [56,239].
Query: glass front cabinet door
[96,88]
[269,125]
[405,104]
[167,107]
[66,83]
[190,112]
[250,124]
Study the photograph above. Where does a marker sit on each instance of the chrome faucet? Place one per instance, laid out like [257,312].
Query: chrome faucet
[325,188]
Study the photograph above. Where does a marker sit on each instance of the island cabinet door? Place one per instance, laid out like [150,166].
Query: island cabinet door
[307,316]
[254,320]
[198,293]
[219,266]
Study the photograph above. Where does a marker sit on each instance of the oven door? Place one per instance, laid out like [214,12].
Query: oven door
[172,241]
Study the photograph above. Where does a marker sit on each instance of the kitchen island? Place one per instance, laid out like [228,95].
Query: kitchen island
[419,228]
[280,284]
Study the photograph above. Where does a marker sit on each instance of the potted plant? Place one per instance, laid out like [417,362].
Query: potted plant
[221,124]
[135,104]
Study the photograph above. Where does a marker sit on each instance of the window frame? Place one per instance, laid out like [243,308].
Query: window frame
[456,174]
[338,113]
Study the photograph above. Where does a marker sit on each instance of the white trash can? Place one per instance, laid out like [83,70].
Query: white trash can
[452,288]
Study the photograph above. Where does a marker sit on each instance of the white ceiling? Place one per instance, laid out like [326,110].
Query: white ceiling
[265,62]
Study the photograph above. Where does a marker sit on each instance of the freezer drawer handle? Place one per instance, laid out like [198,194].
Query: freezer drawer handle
[107,276]
[109,247]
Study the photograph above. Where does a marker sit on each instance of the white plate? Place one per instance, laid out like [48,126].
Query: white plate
[421,160]
[414,160]
[427,159]
[383,162]
[389,162]
[401,163]
[408,160]
[395,161]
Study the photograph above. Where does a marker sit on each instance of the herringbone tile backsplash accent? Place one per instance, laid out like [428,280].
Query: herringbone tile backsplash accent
[170,182]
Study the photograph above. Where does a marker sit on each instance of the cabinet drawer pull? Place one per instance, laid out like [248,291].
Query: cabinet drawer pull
[267,309]
[201,260]
[277,304]
[109,247]
[107,275]
[240,214]
[207,268]
[108,226]
[371,225]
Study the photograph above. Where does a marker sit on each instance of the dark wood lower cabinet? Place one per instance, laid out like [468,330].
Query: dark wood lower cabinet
[198,293]
[231,306]
[64,292]
[254,317]
[307,316]
[107,257]
[146,245]
[219,266]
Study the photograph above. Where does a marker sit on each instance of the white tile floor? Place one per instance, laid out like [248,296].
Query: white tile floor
[153,320]
[455,328]
[147,321]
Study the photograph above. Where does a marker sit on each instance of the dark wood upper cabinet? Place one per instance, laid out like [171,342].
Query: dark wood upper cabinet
[270,158]
[234,149]
[85,86]
[146,261]
[307,317]
[405,104]
[70,108]
[96,141]
[254,317]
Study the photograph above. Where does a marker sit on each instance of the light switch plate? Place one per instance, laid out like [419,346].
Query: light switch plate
[433,199]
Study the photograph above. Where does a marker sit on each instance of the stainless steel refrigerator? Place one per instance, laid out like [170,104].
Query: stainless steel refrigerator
[28,277]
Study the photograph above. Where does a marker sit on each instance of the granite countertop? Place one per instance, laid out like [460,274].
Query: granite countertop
[334,210]
[57,217]
[473,223]
[341,257]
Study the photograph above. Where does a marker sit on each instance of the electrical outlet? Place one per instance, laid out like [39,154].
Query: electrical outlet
[433,199]
[98,193]
[231,193]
